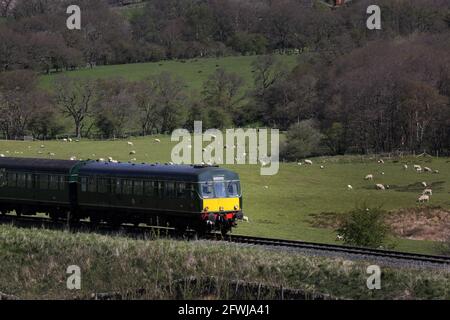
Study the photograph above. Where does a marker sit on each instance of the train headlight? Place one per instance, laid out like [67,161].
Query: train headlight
[206,209]
[236,207]
[221,209]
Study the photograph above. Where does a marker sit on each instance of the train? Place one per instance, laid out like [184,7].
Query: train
[202,198]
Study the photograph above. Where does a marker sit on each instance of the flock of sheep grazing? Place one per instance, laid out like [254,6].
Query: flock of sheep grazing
[42,147]
[426,194]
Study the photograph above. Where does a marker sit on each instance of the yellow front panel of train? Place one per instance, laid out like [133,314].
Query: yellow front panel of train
[228,204]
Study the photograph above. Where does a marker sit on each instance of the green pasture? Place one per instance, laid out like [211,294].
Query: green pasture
[281,205]
[194,72]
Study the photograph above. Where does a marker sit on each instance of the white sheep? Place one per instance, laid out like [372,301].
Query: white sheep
[426,169]
[339,237]
[65,140]
[308,162]
[424,184]
[246,219]
[381,161]
[130,143]
[436,171]
[405,166]
[73,158]
[2,155]
[52,154]
[70,140]
[349,187]
[132,152]
[157,140]
[427,192]
[380,186]
[424,198]
[101,159]
[322,167]
[368,177]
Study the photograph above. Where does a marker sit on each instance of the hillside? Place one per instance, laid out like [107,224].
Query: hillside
[193,71]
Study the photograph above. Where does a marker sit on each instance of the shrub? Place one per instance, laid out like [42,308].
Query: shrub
[364,227]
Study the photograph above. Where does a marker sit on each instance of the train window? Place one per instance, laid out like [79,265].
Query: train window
[3,178]
[160,189]
[54,182]
[29,182]
[206,190]
[127,186]
[92,184]
[12,179]
[170,189]
[116,186]
[103,185]
[138,187]
[189,191]
[84,183]
[219,190]
[43,181]
[233,189]
[149,188]
[181,189]
[62,182]
[21,180]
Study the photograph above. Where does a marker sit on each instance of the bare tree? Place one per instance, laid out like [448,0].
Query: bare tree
[75,98]
[266,69]
[5,7]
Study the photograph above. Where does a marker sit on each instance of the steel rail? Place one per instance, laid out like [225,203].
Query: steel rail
[416,257]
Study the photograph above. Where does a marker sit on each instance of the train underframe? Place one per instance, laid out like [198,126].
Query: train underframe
[201,223]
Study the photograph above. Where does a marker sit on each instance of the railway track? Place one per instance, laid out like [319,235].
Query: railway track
[154,232]
[366,252]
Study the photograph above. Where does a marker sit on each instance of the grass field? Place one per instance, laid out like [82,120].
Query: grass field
[162,268]
[284,208]
[194,71]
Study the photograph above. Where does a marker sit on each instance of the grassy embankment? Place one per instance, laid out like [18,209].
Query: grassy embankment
[34,263]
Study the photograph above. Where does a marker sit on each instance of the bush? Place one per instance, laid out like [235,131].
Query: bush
[303,139]
[364,227]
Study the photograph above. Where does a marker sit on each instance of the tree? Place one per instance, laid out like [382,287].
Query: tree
[6,7]
[161,102]
[266,71]
[302,140]
[75,98]
[114,107]
[221,94]
[364,227]
[335,139]
[11,49]
[20,101]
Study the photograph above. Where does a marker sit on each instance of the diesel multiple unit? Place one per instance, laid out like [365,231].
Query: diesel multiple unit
[202,198]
